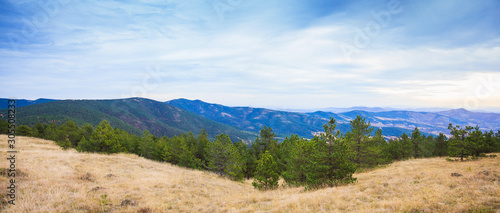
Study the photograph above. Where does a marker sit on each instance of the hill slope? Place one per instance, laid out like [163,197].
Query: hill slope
[133,115]
[54,180]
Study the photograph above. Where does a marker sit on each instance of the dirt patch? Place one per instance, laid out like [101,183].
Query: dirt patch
[18,173]
[87,177]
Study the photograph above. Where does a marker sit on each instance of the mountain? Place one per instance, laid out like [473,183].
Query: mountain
[182,115]
[253,119]
[337,109]
[393,123]
[427,122]
[282,122]
[358,108]
[23,102]
[133,115]
[483,119]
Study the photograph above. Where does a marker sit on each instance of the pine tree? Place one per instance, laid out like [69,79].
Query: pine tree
[128,142]
[394,149]
[428,146]
[496,142]
[266,142]
[24,130]
[201,145]
[333,158]
[146,145]
[236,166]
[39,130]
[104,139]
[224,159]
[441,147]
[70,131]
[65,144]
[489,142]
[406,146]
[186,157]
[477,142]
[300,162]
[174,149]
[51,132]
[160,147]
[459,145]
[376,150]
[359,138]
[85,146]
[321,161]
[284,151]
[266,176]
[87,130]
[416,140]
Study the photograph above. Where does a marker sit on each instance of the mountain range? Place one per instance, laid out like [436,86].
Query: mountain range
[133,115]
[392,122]
[182,115]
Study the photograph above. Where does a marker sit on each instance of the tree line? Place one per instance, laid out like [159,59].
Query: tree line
[326,160]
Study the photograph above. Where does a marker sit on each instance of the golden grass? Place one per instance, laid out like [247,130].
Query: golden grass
[67,181]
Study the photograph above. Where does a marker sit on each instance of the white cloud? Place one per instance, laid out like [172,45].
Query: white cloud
[259,54]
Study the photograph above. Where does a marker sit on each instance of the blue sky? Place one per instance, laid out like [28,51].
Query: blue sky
[282,54]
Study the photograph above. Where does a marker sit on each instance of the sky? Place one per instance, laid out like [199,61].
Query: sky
[294,54]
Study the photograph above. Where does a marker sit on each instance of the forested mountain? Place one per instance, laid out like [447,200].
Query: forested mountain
[23,102]
[484,120]
[283,123]
[253,119]
[427,122]
[133,115]
[136,114]
[393,123]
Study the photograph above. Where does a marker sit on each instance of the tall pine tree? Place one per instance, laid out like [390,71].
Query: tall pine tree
[359,139]
[333,157]
[459,145]
[224,159]
[266,175]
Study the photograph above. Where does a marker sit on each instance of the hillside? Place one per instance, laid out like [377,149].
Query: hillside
[53,180]
[133,115]
[393,123]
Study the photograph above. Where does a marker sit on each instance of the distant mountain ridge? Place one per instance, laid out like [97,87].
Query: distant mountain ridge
[24,102]
[253,119]
[183,115]
[133,115]
[393,123]
[283,123]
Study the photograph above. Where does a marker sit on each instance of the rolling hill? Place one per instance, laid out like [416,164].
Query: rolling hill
[133,115]
[282,122]
[392,123]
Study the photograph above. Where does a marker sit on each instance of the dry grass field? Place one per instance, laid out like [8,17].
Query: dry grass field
[55,180]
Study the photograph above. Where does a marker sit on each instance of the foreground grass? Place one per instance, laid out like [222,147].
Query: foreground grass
[54,180]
